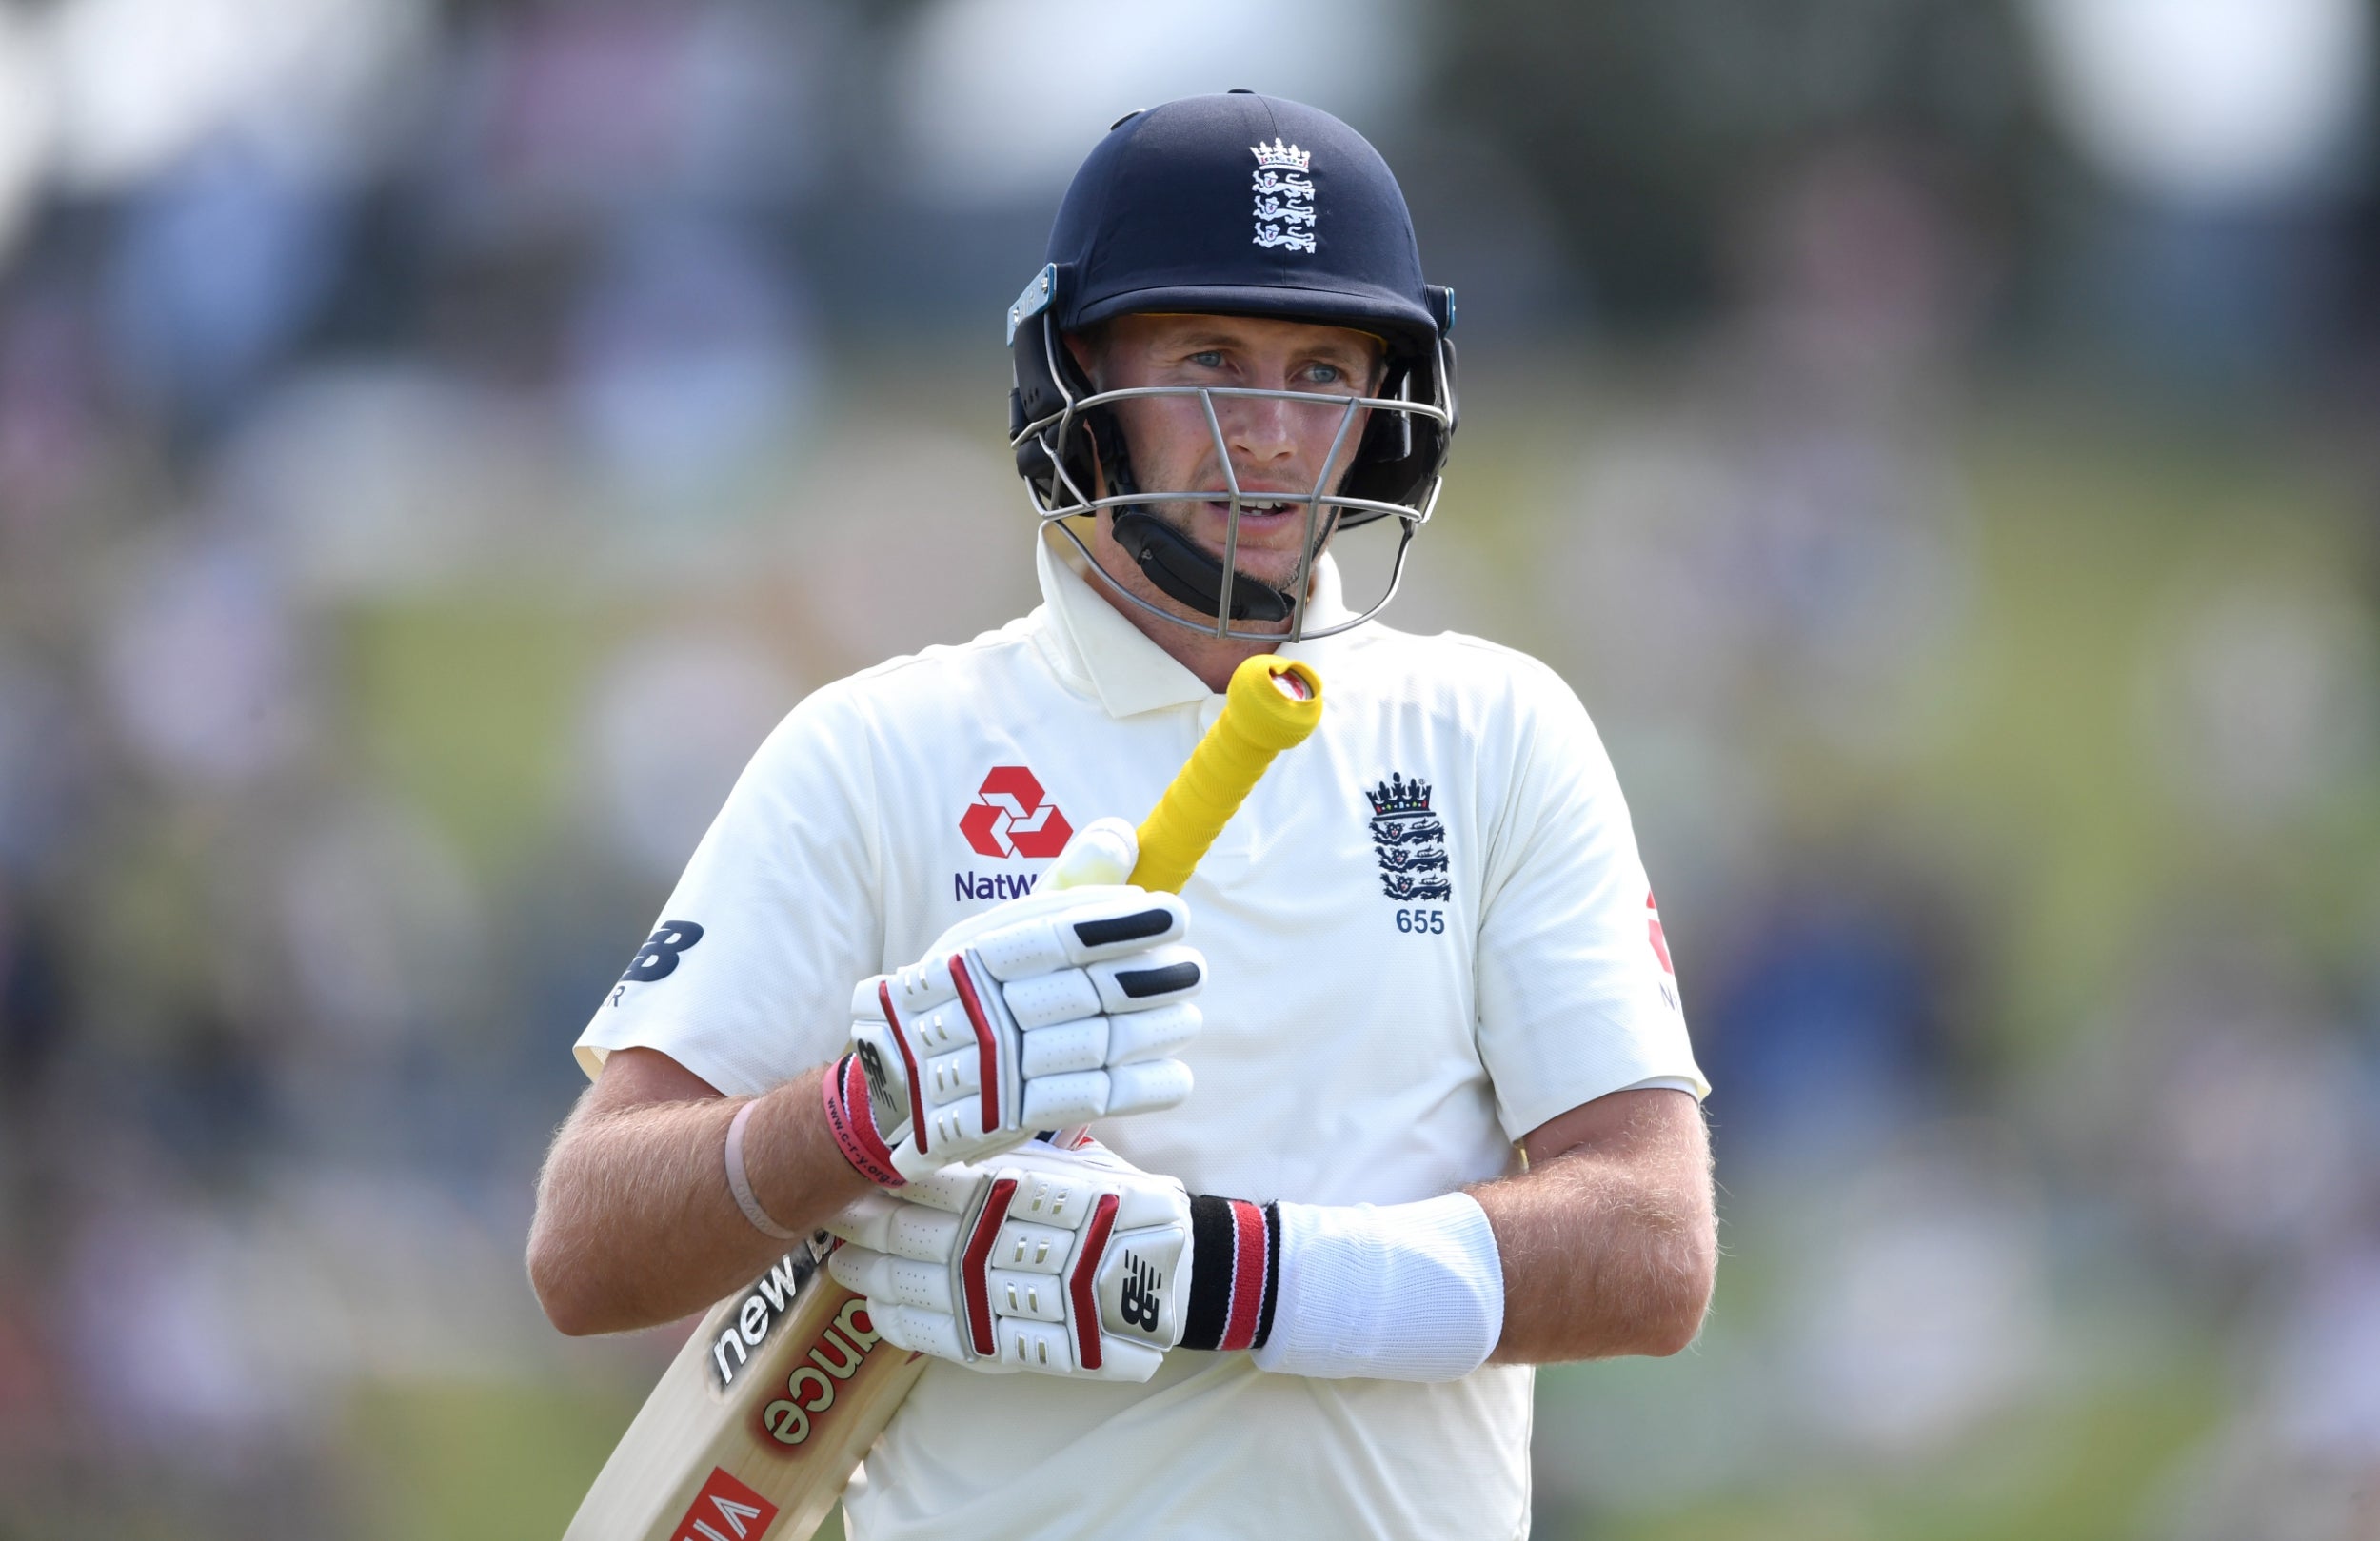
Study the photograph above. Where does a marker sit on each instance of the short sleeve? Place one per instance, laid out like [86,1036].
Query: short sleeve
[1576,994]
[747,977]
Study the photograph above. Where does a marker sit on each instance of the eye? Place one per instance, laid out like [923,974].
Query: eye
[1211,359]
[1327,374]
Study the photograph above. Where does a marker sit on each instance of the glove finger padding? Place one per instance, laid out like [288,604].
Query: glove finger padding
[895,1281]
[919,1332]
[1123,922]
[1063,1263]
[1150,1086]
[951,1054]
[865,1221]
[1092,1042]
[1157,1033]
[1155,978]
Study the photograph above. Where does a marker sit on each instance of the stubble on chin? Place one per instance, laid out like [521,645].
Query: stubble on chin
[1111,555]
[1271,564]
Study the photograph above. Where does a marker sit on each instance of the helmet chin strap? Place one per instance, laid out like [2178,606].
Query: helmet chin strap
[1171,560]
[1174,563]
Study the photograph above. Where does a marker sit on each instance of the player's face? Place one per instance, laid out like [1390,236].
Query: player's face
[1276,445]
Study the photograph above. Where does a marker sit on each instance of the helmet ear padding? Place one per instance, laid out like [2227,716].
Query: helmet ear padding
[1044,382]
[1402,451]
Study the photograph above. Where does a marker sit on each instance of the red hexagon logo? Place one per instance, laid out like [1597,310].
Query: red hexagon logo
[1008,817]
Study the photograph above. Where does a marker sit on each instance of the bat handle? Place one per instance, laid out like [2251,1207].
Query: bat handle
[1271,704]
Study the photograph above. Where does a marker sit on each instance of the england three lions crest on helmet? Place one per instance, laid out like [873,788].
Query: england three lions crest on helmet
[1285,196]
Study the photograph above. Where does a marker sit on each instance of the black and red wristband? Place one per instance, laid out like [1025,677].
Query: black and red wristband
[1235,1273]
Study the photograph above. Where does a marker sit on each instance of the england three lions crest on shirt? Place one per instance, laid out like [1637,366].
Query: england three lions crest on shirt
[1409,841]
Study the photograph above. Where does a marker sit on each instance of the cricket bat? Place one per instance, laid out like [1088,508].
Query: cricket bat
[757,1426]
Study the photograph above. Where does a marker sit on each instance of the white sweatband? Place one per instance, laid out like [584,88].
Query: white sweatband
[1406,1292]
[741,1185]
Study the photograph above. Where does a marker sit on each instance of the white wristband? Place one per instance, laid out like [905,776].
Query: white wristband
[741,1185]
[1406,1292]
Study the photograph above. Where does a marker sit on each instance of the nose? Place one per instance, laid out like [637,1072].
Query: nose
[1262,432]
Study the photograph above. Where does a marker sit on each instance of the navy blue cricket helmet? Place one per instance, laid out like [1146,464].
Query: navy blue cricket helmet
[1233,205]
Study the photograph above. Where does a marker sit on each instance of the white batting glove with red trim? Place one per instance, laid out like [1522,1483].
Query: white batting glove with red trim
[1059,1262]
[1040,1014]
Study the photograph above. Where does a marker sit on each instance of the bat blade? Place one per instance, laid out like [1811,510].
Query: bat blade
[756,1427]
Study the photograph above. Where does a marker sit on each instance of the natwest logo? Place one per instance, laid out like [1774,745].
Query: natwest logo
[1009,818]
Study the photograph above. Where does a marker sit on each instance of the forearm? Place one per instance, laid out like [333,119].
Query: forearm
[1606,1246]
[635,1224]
[1605,1254]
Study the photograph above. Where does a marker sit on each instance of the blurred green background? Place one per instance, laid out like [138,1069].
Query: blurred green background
[1936,439]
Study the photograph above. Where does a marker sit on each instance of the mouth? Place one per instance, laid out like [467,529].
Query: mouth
[1260,513]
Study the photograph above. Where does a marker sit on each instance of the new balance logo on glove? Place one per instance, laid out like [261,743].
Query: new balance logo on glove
[1143,1306]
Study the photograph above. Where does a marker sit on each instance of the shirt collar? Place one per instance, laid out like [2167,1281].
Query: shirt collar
[1087,639]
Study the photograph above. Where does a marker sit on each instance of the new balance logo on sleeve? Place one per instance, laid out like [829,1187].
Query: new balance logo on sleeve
[657,958]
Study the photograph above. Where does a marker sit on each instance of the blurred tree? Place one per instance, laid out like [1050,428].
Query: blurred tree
[1646,122]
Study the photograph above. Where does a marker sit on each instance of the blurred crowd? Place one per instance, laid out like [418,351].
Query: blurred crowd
[437,441]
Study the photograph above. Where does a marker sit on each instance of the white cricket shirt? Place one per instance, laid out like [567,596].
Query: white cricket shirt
[1427,931]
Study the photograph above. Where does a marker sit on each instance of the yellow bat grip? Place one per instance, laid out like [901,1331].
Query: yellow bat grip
[1271,705]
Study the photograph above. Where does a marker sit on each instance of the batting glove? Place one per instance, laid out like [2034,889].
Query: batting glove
[1077,1263]
[1040,1014]
[1059,1262]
